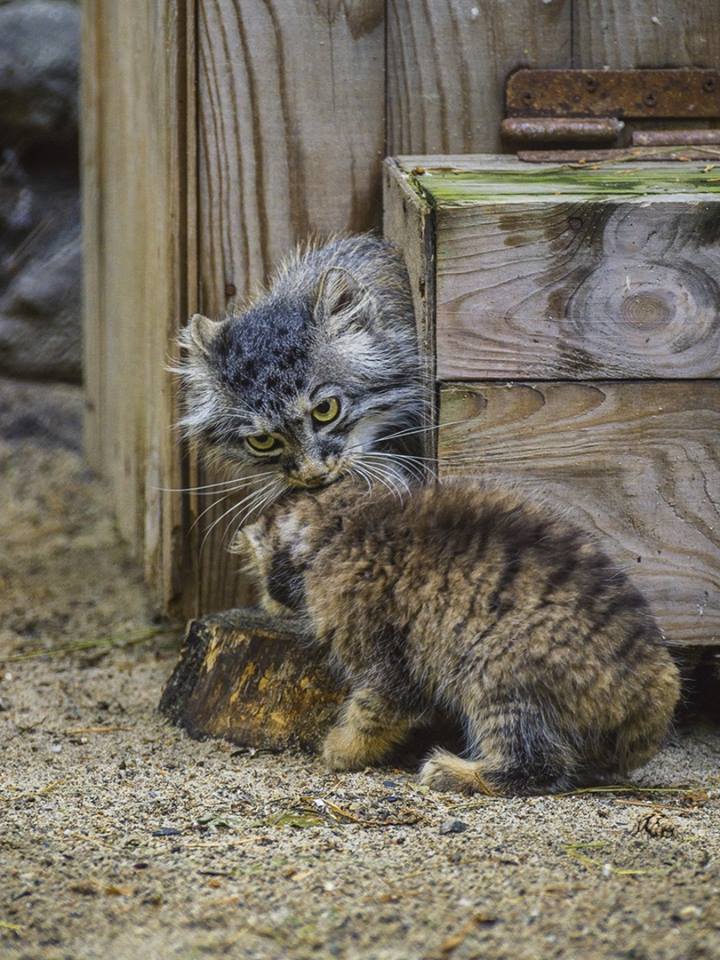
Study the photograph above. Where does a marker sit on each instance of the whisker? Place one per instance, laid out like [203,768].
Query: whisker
[436,426]
[386,479]
[356,470]
[397,475]
[227,495]
[412,431]
[375,476]
[233,509]
[257,506]
[251,503]
[404,456]
[199,517]
[417,471]
[221,483]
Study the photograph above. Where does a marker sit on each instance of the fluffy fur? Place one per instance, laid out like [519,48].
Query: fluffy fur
[476,602]
[336,321]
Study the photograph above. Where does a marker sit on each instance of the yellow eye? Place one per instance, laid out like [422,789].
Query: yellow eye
[327,410]
[262,442]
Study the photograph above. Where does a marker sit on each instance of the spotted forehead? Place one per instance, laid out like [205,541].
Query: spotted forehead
[263,358]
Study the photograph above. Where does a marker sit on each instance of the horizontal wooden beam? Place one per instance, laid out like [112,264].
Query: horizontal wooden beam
[636,463]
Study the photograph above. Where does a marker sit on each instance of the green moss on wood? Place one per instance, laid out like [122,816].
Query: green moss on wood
[451,187]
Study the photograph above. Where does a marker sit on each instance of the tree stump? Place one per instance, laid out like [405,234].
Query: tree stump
[249,679]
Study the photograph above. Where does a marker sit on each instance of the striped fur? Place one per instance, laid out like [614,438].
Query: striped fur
[480,603]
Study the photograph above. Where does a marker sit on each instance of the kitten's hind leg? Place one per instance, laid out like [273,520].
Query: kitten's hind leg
[371,725]
[515,749]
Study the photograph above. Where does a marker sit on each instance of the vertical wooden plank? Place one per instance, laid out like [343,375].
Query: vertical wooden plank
[409,223]
[165,519]
[291,102]
[646,33]
[91,154]
[291,137]
[447,65]
[135,187]
[122,209]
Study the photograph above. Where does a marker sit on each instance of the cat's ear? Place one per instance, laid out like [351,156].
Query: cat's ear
[342,302]
[201,332]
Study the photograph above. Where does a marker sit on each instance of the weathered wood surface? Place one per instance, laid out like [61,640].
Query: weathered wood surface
[579,290]
[548,273]
[636,33]
[291,107]
[291,114]
[409,222]
[447,65]
[282,134]
[244,677]
[135,186]
[638,463]
[90,162]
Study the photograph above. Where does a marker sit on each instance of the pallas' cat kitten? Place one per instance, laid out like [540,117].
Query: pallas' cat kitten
[310,379]
[479,603]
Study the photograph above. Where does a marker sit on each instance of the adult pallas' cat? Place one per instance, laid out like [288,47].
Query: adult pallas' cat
[316,378]
[480,603]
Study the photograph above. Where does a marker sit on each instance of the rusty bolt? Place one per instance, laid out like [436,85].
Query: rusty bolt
[575,223]
[527,96]
[591,84]
[709,84]
[649,100]
[230,290]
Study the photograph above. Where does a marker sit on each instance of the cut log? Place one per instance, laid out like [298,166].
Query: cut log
[249,679]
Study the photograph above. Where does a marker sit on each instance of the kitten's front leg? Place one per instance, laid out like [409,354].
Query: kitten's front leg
[371,725]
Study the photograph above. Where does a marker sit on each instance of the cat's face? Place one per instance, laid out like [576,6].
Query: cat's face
[302,386]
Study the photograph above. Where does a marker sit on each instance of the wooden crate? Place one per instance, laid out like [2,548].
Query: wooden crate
[217,134]
[572,317]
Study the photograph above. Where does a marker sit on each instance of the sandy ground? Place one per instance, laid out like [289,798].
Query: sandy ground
[121,838]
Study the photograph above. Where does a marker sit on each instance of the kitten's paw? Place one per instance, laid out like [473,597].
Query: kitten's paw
[343,750]
[447,773]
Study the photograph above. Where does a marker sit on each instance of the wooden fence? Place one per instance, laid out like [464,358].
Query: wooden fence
[216,133]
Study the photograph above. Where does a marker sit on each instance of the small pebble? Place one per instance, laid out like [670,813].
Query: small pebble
[689,913]
[453,826]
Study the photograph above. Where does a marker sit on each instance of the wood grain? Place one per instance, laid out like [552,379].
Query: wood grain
[636,463]
[291,136]
[135,218]
[291,105]
[447,65]
[409,223]
[543,289]
[645,33]
[250,680]
[295,110]
[90,160]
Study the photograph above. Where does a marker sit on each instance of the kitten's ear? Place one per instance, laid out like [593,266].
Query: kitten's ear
[342,301]
[202,331]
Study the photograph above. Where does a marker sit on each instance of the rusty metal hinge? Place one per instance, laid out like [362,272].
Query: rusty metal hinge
[615,109]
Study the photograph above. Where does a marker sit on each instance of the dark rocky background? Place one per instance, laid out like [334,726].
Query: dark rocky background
[40,248]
